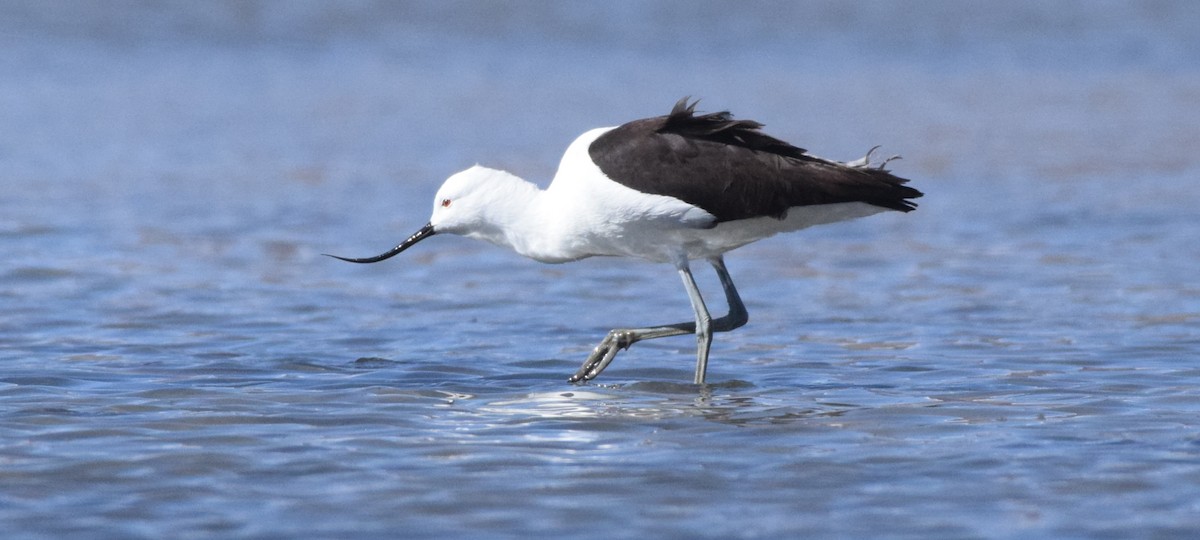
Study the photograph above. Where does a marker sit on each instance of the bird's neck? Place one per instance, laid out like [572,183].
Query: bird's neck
[517,219]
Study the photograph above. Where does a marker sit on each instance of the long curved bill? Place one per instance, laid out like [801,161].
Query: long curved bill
[422,234]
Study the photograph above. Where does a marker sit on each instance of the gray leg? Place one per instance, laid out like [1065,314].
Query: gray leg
[622,338]
[703,325]
[738,316]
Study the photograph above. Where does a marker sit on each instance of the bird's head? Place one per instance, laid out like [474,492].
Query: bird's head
[469,203]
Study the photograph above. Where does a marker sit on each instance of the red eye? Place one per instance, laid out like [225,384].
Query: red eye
[445,203]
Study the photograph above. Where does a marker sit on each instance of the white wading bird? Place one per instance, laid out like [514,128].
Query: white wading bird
[668,189]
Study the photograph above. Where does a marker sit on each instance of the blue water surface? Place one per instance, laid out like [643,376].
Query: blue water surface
[1019,358]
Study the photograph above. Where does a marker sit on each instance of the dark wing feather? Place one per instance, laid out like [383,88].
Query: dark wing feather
[733,170]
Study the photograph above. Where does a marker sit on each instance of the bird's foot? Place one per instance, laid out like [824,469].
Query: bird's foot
[603,355]
[865,161]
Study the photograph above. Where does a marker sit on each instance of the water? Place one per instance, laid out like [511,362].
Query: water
[1019,358]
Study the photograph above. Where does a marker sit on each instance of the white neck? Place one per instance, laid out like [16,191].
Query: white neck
[520,217]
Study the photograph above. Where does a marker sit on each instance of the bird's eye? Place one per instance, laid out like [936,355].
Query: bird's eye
[445,203]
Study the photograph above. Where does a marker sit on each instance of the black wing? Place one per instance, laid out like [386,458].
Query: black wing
[733,170]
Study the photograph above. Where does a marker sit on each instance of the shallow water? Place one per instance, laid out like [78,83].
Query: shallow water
[1018,358]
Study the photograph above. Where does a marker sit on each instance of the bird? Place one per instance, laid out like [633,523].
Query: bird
[673,189]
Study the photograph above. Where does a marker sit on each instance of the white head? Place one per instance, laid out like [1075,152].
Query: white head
[475,201]
[478,203]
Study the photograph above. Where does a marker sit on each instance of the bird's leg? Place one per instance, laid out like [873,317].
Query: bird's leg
[703,324]
[737,316]
[622,338]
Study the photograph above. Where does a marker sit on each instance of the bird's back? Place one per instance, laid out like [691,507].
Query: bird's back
[733,170]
